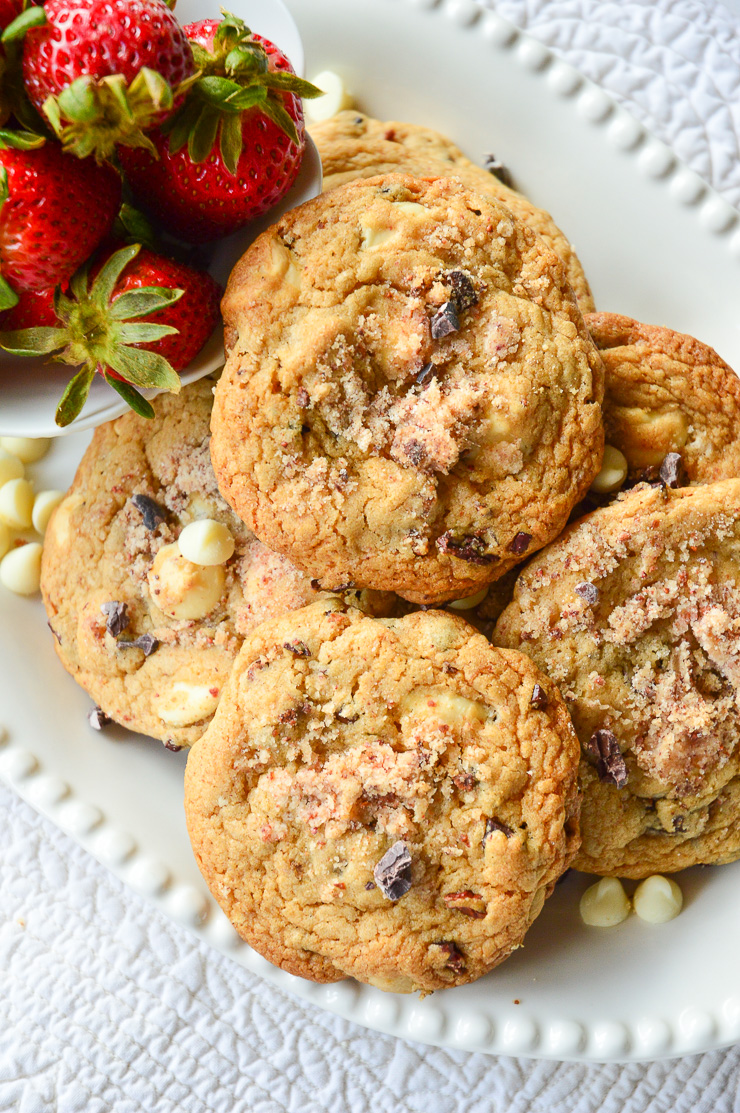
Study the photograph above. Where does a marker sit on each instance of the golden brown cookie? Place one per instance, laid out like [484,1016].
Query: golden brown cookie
[389,799]
[413,401]
[665,392]
[151,636]
[352,146]
[635,614]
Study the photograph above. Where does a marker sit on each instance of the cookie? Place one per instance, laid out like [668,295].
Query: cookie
[413,401]
[387,799]
[664,393]
[635,615]
[151,636]
[352,145]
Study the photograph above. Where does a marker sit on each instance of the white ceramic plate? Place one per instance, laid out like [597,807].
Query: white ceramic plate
[30,389]
[657,244]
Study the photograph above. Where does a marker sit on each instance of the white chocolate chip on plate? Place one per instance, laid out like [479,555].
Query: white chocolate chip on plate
[605,904]
[20,569]
[334,100]
[469,601]
[206,542]
[613,472]
[657,899]
[182,589]
[4,539]
[44,506]
[27,449]
[11,466]
[16,503]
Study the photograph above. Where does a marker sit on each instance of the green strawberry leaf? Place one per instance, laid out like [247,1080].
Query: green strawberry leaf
[132,225]
[254,96]
[201,57]
[8,296]
[33,341]
[32,17]
[78,101]
[275,111]
[143,368]
[203,135]
[231,142]
[78,285]
[110,272]
[144,332]
[142,302]
[131,397]
[290,83]
[20,140]
[182,123]
[217,90]
[74,397]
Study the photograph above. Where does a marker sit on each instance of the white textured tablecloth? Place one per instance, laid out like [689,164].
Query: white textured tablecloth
[106,1005]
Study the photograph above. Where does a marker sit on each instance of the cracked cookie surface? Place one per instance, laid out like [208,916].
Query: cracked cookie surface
[635,615]
[666,392]
[105,567]
[411,400]
[381,799]
[352,145]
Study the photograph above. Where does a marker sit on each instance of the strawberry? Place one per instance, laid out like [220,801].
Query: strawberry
[98,325]
[103,71]
[248,101]
[9,10]
[35,308]
[54,212]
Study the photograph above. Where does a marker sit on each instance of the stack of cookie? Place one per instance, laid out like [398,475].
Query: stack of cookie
[412,407]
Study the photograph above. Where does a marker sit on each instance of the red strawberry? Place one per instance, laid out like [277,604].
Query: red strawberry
[55,211]
[248,99]
[9,9]
[103,71]
[35,309]
[99,325]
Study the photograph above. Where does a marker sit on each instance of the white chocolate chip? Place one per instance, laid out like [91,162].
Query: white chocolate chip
[657,899]
[335,98]
[185,703]
[61,525]
[182,589]
[27,449]
[284,267]
[44,506]
[605,904]
[4,539]
[206,542]
[11,467]
[469,601]
[16,503]
[20,569]
[613,472]
[444,706]
[371,235]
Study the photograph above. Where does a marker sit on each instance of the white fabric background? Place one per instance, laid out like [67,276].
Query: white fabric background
[106,1005]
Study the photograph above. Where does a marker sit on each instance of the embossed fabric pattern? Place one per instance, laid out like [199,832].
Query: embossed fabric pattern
[107,1005]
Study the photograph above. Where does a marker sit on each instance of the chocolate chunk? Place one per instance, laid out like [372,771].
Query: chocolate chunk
[426,375]
[495,825]
[56,635]
[449,669]
[672,472]
[370,885]
[519,543]
[303,398]
[297,648]
[416,453]
[471,548]
[539,698]
[147,642]
[393,872]
[466,782]
[499,170]
[678,823]
[173,747]
[151,511]
[453,900]
[455,959]
[116,617]
[603,747]
[464,294]
[445,321]
[588,592]
[98,719]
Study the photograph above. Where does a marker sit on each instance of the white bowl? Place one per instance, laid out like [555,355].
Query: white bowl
[30,389]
